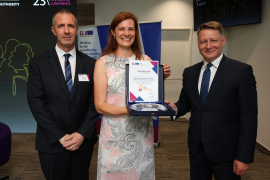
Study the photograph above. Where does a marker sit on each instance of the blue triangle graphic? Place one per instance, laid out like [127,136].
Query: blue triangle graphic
[155,69]
[139,99]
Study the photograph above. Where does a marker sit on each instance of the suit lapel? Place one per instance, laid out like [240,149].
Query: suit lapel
[195,80]
[56,66]
[79,70]
[222,71]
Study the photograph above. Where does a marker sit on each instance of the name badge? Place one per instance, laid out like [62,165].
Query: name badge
[84,77]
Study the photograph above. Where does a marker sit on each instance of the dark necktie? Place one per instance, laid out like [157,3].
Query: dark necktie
[205,83]
[68,73]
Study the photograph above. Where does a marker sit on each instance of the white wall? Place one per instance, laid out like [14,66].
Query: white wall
[251,44]
[173,13]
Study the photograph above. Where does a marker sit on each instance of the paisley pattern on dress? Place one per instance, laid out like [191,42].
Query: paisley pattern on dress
[126,149]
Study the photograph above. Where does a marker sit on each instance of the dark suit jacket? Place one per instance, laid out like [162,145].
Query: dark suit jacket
[56,111]
[227,123]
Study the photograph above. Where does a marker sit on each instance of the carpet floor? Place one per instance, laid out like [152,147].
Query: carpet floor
[171,158]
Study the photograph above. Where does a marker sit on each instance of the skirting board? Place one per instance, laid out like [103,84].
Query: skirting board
[262,148]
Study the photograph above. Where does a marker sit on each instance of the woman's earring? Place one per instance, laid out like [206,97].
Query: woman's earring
[114,37]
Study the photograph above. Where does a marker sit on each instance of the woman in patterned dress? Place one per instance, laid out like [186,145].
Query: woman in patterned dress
[126,142]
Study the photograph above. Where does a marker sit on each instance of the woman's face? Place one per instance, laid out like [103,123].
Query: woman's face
[125,33]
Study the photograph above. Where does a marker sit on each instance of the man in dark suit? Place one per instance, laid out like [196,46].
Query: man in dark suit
[60,96]
[221,95]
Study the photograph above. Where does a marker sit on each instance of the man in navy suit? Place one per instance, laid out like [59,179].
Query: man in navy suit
[60,96]
[221,95]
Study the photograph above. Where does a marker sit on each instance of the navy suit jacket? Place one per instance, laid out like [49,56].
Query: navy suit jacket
[56,111]
[227,123]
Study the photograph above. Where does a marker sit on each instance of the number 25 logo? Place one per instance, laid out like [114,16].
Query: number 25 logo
[41,3]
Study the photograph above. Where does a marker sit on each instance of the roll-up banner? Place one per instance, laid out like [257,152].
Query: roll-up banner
[92,39]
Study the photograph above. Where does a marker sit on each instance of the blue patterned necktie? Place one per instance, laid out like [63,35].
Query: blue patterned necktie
[68,73]
[205,83]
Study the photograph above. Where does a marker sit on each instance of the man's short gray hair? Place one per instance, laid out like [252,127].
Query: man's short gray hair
[63,11]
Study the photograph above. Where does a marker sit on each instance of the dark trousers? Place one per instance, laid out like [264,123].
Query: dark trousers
[72,165]
[202,168]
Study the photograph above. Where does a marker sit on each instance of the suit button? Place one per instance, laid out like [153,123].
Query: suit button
[202,111]
[199,127]
[70,105]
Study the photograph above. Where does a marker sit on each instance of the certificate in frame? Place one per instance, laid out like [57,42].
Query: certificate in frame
[169,112]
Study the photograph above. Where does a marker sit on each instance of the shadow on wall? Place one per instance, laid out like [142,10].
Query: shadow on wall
[238,35]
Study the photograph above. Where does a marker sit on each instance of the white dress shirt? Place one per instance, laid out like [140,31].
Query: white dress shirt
[72,61]
[213,70]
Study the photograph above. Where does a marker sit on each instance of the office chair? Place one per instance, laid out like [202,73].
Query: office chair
[5,144]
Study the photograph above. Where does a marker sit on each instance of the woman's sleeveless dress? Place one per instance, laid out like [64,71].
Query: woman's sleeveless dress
[126,149]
